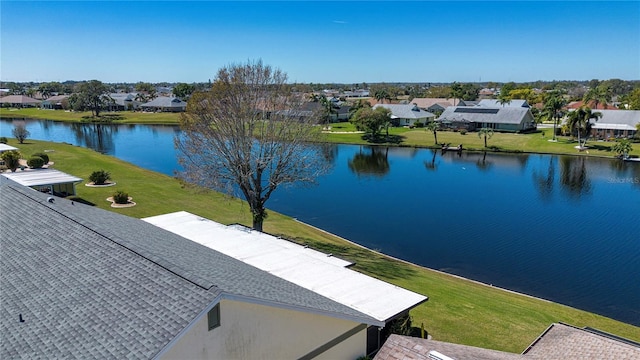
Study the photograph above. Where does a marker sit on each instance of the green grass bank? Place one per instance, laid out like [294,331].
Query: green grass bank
[537,142]
[458,310]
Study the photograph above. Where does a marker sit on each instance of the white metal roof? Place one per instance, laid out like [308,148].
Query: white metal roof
[41,177]
[313,270]
[5,147]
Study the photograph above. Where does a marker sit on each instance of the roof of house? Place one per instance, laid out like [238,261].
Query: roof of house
[592,104]
[411,348]
[313,270]
[5,147]
[479,114]
[561,341]
[165,102]
[558,342]
[405,111]
[18,99]
[617,119]
[425,103]
[90,283]
[496,103]
[56,98]
[37,177]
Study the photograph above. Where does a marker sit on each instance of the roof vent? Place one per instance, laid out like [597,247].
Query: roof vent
[415,107]
[51,199]
[434,355]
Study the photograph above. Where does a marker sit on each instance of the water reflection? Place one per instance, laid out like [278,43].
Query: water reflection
[543,180]
[574,179]
[98,137]
[431,165]
[374,163]
[482,163]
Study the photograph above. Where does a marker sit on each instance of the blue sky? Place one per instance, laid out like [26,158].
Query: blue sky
[321,42]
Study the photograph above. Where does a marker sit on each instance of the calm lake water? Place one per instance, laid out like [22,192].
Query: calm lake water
[561,228]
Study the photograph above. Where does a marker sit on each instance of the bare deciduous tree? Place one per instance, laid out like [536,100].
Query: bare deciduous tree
[248,135]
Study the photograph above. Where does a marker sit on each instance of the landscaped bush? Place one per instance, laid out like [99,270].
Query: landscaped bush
[99,177]
[35,162]
[419,124]
[3,140]
[44,157]
[120,197]
[463,131]
[11,159]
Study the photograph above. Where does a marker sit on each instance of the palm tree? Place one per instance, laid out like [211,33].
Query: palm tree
[504,98]
[433,126]
[598,94]
[623,148]
[327,105]
[580,119]
[381,95]
[456,92]
[552,107]
[487,133]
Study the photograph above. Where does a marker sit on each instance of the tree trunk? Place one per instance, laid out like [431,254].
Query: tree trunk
[485,140]
[435,136]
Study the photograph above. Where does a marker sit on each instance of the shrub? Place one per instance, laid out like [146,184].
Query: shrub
[3,140]
[99,177]
[121,197]
[419,124]
[44,157]
[11,159]
[463,131]
[35,162]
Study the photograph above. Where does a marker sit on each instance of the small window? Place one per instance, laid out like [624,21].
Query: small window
[214,317]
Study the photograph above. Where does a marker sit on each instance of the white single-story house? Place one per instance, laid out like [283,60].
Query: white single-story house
[124,101]
[507,119]
[54,102]
[558,341]
[615,124]
[82,282]
[49,181]
[407,114]
[165,104]
[432,105]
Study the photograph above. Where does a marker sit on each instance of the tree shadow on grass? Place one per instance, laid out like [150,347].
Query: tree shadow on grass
[81,200]
[366,261]
[383,139]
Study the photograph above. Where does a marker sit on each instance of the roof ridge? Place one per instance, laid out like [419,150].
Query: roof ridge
[109,236]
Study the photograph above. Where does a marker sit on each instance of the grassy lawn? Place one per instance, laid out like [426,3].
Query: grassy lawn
[129,117]
[458,310]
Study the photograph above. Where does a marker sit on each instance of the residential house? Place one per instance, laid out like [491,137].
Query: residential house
[19,101]
[124,101]
[165,104]
[49,181]
[487,93]
[432,105]
[559,341]
[81,282]
[407,114]
[507,119]
[615,124]
[54,102]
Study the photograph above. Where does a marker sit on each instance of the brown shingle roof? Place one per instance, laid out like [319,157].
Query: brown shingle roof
[558,342]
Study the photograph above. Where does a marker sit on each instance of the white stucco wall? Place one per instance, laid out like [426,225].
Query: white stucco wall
[251,331]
